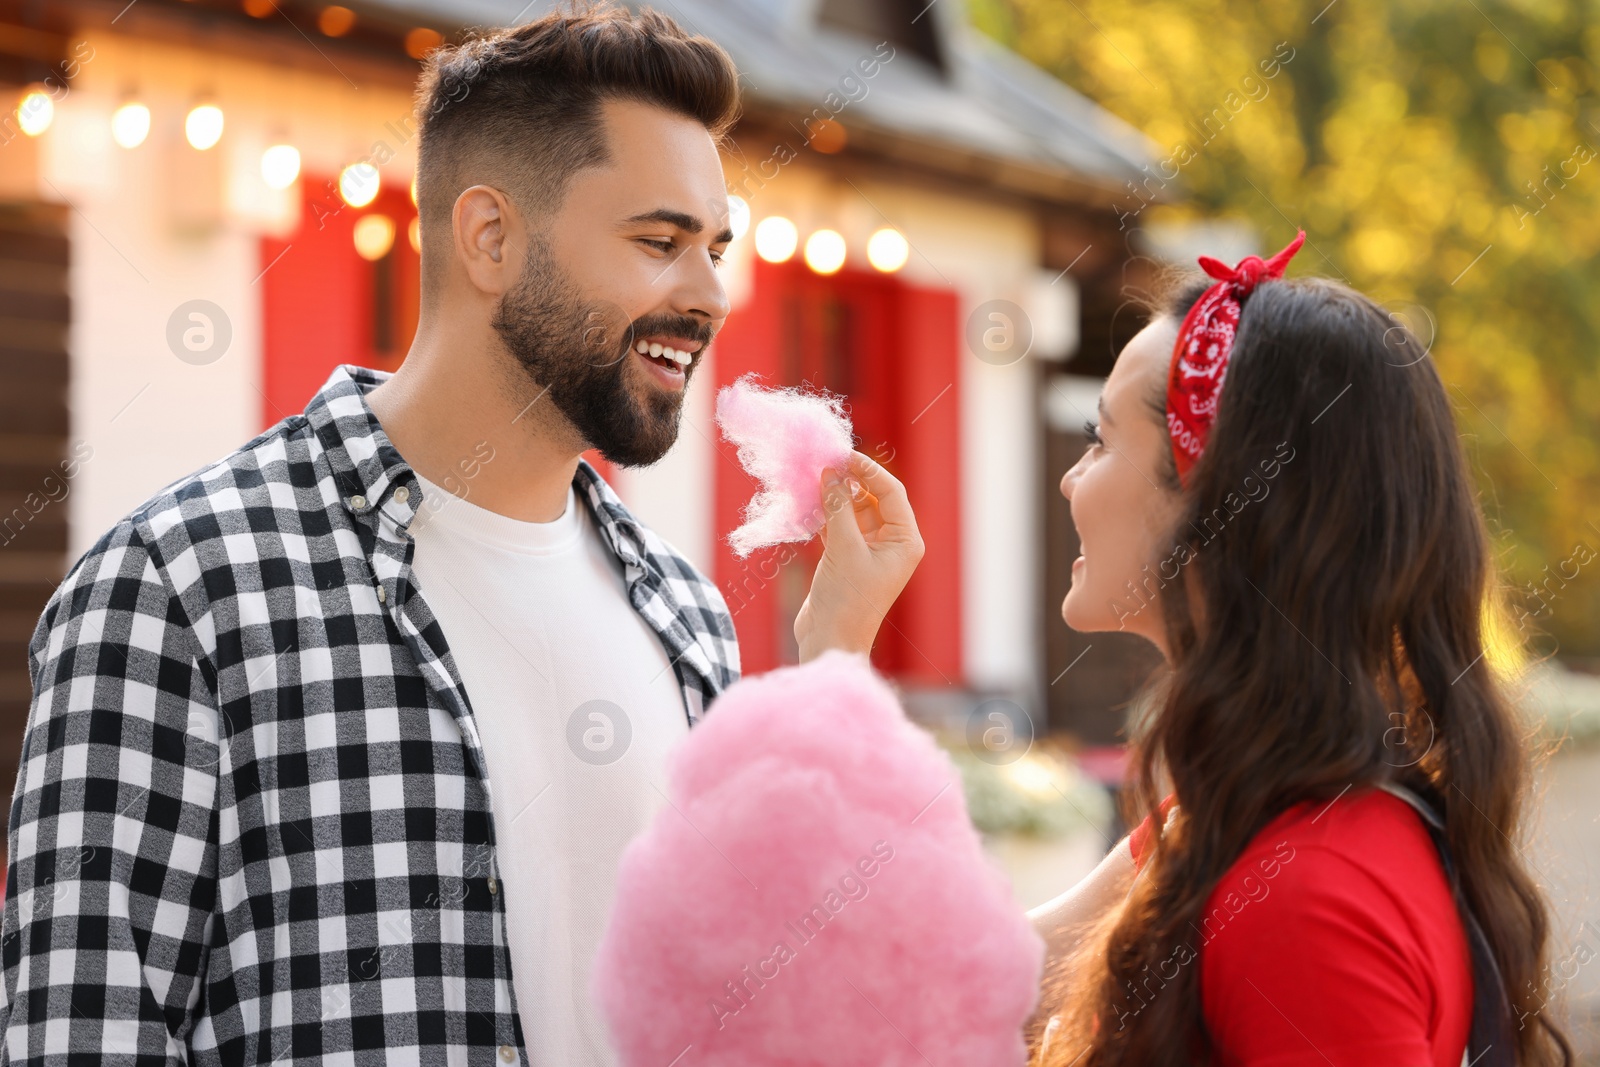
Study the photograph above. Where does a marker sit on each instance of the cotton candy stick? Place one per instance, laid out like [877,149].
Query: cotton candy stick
[785,438]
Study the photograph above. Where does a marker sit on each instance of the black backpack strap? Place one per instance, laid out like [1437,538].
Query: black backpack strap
[1490,1042]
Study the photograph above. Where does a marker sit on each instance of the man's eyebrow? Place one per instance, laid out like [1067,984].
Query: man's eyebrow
[681,219]
[1105,416]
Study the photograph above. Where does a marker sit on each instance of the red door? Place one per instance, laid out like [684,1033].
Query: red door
[891,349]
[322,304]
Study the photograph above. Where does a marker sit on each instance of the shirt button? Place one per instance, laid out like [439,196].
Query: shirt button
[358,502]
[494,886]
[401,495]
[508,1053]
[382,596]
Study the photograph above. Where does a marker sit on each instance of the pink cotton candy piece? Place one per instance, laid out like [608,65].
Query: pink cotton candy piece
[777,797]
[785,438]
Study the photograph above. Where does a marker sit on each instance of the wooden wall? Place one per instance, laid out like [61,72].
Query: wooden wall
[34,447]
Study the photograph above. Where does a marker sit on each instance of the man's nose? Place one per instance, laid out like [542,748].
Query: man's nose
[699,290]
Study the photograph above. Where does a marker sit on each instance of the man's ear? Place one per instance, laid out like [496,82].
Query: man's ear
[489,238]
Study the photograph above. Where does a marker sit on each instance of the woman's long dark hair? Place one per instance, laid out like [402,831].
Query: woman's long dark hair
[1335,641]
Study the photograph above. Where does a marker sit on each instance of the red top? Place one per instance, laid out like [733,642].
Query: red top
[1333,939]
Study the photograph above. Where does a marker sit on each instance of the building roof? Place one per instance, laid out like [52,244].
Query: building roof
[950,90]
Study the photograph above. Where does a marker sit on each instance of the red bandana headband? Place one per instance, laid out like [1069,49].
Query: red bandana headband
[1205,341]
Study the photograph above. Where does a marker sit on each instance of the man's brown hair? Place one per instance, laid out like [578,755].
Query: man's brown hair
[519,108]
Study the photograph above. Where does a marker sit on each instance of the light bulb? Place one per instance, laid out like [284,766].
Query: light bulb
[130,124]
[422,40]
[335,20]
[35,112]
[738,216]
[358,184]
[888,250]
[280,165]
[825,251]
[203,126]
[776,239]
[374,236]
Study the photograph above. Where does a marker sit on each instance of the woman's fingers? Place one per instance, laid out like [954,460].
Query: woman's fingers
[870,548]
[893,505]
[861,502]
[868,515]
[842,518]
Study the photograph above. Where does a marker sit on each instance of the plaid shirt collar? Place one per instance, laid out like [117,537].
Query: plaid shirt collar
[368,468]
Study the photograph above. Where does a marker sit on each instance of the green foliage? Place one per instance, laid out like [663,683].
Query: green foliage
[1443,157]
[1042,794]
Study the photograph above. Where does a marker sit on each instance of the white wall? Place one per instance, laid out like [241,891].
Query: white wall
[161,224]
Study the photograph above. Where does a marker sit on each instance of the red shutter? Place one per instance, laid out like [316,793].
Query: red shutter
[892,350]
[322,304]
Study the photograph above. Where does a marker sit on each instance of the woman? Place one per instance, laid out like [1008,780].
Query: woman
[1276,497]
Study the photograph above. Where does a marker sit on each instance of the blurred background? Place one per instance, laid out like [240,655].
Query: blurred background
[946,212]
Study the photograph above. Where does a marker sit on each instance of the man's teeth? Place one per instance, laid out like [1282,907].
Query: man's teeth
[661,351]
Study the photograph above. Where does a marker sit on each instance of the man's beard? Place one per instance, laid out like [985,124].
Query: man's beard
[579,352]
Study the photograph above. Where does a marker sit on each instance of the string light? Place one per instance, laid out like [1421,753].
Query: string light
[421,41]
[336,21]
[825,251]
[888,250]
[776,239]
[203,126]
[827,136]
[374,236]
[738,216]
[358,184]
[130,124]
[280,165]
[35,112]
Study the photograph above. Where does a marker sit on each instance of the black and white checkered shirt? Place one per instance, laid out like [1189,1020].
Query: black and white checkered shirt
[252,819]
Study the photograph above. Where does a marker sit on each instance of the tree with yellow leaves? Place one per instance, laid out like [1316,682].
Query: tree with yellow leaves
[1443,157]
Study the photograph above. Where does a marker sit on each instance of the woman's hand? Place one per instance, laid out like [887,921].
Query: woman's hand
[870,546]
[1062,922]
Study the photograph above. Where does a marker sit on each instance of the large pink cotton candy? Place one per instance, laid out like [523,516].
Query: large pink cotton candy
[791,781]
[785,439]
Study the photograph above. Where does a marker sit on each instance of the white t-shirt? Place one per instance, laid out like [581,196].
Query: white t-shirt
[577,705]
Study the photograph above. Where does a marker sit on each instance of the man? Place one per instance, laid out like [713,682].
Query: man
[332,739]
